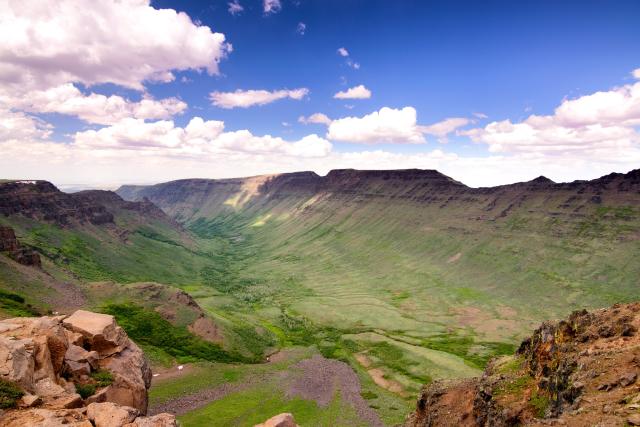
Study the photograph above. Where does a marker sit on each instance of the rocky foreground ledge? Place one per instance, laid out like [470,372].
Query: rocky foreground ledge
[78,370]
[582,371]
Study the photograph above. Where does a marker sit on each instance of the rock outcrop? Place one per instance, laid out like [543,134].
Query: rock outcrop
[10,245]
[79,370]
[281,420]
[577,372]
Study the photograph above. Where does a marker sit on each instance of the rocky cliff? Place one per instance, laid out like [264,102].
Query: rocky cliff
[42,201]
[77,370]
[10,245]
[189,199]
[578,372]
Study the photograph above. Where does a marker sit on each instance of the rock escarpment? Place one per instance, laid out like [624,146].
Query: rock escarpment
[580,371]
[10,245]
[78,370]
[42,201]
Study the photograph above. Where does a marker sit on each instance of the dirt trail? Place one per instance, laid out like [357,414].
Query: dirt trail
[377,375]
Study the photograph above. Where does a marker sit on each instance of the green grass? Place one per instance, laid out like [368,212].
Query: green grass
[14,305]
[256,406]
[425,291]
[202,376]
[151,330]
[10,394]
[102,377]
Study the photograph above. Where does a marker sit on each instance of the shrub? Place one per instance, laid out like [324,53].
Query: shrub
[149,328]
[85,390]
[10,393]
[102,378]
[540,403]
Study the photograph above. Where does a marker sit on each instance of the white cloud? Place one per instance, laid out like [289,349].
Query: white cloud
[357,92]
[126,42]
[271,6]
[317,118]
[445,127]
[92,108]
[301,28]
[385,126]
[17,127]
[235,7]
[198,138]
[480,115]
[353,64]
[620,106]
[350,62]
[248,98]
[598,127]
[636,73]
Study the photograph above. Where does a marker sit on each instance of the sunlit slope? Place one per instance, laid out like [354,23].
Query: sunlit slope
[413,258]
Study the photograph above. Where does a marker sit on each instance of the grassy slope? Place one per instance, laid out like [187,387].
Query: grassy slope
[419,291]
[339,274]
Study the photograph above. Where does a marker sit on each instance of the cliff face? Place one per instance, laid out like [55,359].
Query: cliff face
[42,201]
[191,198]
[580,371]
[10,245]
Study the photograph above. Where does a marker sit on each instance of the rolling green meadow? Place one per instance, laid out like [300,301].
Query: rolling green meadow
[405,290]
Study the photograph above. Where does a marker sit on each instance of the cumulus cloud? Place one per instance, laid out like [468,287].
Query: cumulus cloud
[16,126]
[126,42]
[599,126]
[357,92]
[317,118]
[343,52]
[235,7]
[271,6]
[385,126]
[301,28]
[636,73]
[445,127]
[248,98]
[92,108]
[199,138]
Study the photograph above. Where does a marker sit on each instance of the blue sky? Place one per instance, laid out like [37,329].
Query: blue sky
[446,59]
[490,65]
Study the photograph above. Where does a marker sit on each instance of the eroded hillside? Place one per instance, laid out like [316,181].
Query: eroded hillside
[410,265]
[582,371]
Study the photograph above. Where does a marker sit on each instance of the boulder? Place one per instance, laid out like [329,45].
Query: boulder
[29,401]
[108,414]
[132,378]
[17,363]
[46,418]
[160,420]
[99,331]
[77,369]
[49,356]
[281,420]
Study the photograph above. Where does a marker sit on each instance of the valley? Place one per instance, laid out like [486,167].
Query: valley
[406,276]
